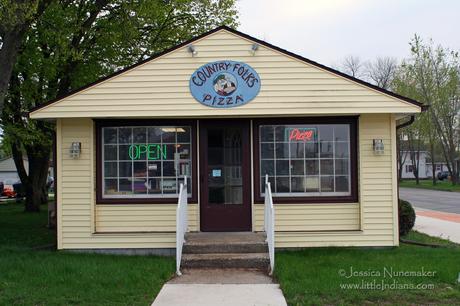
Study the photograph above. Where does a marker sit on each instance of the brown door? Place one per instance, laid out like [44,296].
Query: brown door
[225,201]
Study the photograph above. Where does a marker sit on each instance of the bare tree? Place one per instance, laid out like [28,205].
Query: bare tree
[382,71]
[353,66]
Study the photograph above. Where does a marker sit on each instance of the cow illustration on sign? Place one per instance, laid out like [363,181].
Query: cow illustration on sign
[225,84]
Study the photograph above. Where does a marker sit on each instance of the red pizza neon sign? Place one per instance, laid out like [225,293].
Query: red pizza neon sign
[302,134]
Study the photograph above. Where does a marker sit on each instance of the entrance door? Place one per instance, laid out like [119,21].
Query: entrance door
[225,201]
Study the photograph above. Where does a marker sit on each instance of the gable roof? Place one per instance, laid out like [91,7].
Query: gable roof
[248,37]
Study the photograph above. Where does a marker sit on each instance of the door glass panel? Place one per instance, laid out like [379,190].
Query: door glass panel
[225,153]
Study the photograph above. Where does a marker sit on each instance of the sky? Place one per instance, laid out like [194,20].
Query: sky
[326,31]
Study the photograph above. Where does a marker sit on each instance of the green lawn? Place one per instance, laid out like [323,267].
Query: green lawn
[45,277]
[320,276]
[428,184]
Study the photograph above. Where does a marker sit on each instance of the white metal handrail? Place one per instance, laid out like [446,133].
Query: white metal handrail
[269,223]
[181,222]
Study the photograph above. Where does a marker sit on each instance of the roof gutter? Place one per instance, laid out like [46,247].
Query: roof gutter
[412,118]
[407,123]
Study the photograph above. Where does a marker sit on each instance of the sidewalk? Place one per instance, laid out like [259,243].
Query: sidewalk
[220,287]
[438,224]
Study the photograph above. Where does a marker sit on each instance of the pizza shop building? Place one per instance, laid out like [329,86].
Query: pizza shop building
[222,112]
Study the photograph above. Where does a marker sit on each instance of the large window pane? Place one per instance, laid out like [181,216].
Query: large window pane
[125,135]
[139,135]
[183,134]
[297,167]
[154,134]
[282,184]
[308,160]
[297,150]
[267,150]
[267,167]
[327,166]
[111,186]
[267,133]
[110,152]
[297,184]
[145,161]
[341,150]
[282,167]
[110,135]
[125,169]
[282,150]
[110,169]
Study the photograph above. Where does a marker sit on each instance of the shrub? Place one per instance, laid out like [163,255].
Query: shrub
[406,217]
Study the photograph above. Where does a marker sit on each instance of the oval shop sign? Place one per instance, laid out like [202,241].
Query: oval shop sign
[224,84]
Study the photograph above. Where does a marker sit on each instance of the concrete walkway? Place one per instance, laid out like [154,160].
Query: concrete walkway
[220,287]
[438,224]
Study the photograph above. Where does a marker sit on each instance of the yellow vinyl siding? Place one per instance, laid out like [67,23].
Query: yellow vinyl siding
[160,88]
[373,222]
[311,217]
[368,223]
[141,218]
[79,224]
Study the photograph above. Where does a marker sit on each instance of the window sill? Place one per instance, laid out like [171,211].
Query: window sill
[141,201]
[310,200]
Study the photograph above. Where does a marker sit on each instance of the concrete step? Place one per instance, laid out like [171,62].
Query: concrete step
[237,242]
[236,247]
[258,261]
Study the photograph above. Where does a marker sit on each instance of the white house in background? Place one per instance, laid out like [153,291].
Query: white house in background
[8,173]
[425,167]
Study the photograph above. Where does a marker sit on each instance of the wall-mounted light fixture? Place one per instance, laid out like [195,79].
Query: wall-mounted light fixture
[75,150]
[379,148]
[192,50]
[254,48]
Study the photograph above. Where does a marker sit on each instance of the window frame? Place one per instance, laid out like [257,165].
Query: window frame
[99,124]
[354,155]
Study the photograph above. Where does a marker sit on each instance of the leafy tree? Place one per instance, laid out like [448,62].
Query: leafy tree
[16,16]
[77,42]
[432,75]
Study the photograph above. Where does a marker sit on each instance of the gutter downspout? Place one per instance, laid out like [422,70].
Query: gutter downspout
[400,126]
[407,123]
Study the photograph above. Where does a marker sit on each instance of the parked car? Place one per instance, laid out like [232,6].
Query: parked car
[8,188]
[442,175]
[20,192]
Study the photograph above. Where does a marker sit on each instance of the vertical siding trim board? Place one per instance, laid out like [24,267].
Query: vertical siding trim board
[251,144]
[394,178]
[59,204]
[142,122]
[91,145]
[198,173]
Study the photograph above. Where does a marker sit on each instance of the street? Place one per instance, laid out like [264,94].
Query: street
[438,212]
[444,201]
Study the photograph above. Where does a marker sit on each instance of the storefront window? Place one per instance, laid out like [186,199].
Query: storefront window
[306,160]
[145,161]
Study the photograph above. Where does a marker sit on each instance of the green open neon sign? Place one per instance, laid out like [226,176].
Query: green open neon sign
[153,151]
